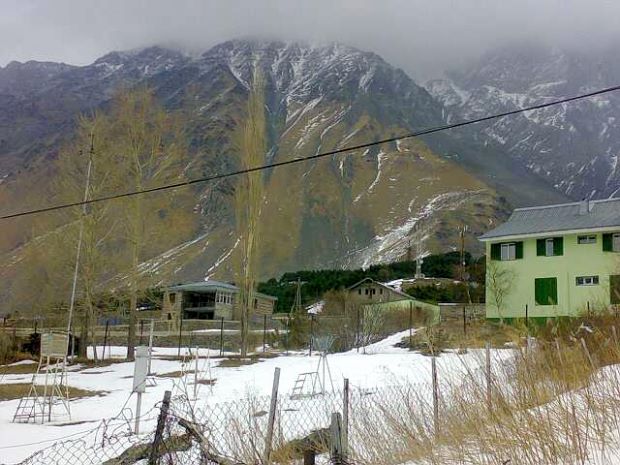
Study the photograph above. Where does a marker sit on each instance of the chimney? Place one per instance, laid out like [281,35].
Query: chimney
[584,207]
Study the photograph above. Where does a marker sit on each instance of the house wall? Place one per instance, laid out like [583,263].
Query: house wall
[577,260]
[363,294]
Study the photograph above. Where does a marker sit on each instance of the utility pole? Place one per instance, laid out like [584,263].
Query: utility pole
[79,246]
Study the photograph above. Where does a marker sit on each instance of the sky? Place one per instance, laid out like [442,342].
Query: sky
[424,37]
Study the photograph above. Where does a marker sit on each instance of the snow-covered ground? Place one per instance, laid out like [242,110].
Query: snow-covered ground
[382,364]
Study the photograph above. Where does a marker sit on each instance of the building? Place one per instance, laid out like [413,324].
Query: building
[209,300]
[555,260]
[369,292]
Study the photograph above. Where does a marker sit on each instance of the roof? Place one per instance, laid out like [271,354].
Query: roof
[212,285]
[584,216]
[385,286]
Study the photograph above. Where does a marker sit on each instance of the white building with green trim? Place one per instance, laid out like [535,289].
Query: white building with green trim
[554,260]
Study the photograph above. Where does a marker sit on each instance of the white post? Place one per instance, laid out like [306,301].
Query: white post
[138,407]
[139,380]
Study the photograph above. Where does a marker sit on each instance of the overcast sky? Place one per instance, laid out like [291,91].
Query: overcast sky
[423,37]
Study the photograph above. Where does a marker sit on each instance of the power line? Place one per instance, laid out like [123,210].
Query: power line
[353,148]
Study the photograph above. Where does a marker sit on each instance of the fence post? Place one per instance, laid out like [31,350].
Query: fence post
[345,419]
[105,338]
[159,431]
[311,334]
[488,374]
[335,449]
[410,321]
[180,335]
[464,321]
[264,332]
[272,415]
[357,330]
[222,337]
[435,395]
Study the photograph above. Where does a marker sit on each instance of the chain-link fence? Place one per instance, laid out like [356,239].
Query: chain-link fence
[237,432]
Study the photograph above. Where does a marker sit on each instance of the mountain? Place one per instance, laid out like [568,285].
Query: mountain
[347,210]
[573,147]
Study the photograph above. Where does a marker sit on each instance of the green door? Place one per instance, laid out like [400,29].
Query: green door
[614,289]
[546,291]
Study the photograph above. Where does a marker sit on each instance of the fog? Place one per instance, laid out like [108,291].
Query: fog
[424,37]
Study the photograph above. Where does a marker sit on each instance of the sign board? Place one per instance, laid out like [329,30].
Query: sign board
[54,345]
[140,369]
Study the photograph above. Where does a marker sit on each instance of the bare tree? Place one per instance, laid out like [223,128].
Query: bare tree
[248,200]
[149,145]
[499,283]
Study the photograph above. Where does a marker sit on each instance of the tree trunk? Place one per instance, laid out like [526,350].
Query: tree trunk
[133,304]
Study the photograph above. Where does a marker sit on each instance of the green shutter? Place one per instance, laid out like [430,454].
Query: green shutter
[546,291]
[608,243]
[552,298]
[614,289]
[540,247]
[558,246]
[496,252]
[519,250]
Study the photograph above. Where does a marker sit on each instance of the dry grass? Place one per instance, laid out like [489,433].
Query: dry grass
[21,369]
[17,390]
[551,404]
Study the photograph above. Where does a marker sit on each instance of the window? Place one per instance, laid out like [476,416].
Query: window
[586,280]
[550,247]
[546,291]
[381,291]
[611,242]
[366,291]
[359,291]
[172,297]
[589,239]
[507,251]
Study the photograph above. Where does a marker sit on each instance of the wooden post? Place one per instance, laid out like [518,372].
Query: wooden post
[264,332]
[357,330]
[159,431]
[309,456]
[345,419]
[335,447]
[488,374]
[435,395]
[272,415]
[311,334]
[410,322]
[464,321]
[180,335]
[105,338]
[141,331]
[222,337]
[527,321]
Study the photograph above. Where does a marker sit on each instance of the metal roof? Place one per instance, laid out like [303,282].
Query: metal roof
[212,285]
[563,218]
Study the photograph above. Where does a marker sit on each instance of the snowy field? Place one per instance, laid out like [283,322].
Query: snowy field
[383,364]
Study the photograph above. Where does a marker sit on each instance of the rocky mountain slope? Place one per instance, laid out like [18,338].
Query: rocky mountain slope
[346,210]
[573,147]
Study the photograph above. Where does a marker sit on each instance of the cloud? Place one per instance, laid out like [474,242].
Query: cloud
[421,36]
